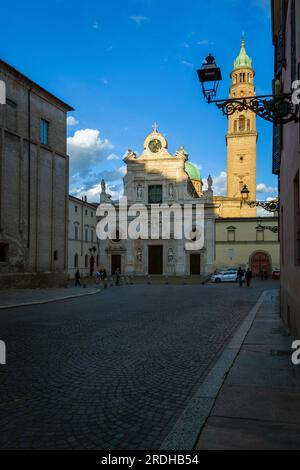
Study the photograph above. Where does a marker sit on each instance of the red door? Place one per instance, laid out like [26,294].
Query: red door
[260,262]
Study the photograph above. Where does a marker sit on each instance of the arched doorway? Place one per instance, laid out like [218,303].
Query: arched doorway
[260,262]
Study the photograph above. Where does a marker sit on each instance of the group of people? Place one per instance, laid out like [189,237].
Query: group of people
[101,275]
[248,276]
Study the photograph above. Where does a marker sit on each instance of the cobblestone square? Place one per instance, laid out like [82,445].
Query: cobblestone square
[114,370]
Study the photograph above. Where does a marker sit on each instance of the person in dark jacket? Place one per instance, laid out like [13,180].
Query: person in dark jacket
[240,275]
[77,278]
[117,276]
[248,277]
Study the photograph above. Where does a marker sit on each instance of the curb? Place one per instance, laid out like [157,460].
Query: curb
[187,429]
[48,301]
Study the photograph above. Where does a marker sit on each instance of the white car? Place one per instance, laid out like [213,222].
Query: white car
[225,276]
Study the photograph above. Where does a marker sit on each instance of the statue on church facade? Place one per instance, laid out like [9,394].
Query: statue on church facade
[139,192]
[171,190]
[104,197]
[209,183]
[139,255]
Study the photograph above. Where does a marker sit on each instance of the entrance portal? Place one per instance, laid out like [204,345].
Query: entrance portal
[115,263]
[260,262]
[195,265]
[155,260]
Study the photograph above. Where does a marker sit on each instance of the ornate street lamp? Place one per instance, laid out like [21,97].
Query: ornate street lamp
[271,228]
[277,109]
[245,194]
[269,206]
[209,73]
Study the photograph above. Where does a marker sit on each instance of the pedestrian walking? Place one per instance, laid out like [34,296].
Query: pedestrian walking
[77,278]
[248,277]
[117,276]
[240,275]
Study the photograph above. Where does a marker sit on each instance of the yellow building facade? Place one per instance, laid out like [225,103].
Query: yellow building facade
[241,239]
[246,242]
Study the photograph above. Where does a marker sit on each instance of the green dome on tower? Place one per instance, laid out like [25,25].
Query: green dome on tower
[243,60]
[192,171]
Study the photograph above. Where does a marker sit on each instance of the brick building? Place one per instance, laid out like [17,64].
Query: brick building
[34,171]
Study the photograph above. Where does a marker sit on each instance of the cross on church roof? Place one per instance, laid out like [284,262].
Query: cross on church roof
[155,127]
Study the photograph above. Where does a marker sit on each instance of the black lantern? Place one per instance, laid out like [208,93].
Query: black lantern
[210,74]
[245,193]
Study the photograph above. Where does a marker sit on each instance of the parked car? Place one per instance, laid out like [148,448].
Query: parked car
[276,274]
[225,276]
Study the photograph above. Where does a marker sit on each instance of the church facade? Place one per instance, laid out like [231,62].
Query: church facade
[158,178]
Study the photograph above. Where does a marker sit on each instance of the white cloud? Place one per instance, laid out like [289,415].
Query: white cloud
[86,150]
[219,184]
[112,157]
[71,121]
[114,185]
[188,64]
[138,19]
[205,42]
[264,189]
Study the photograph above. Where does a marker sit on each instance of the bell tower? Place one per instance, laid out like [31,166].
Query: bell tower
[242,135]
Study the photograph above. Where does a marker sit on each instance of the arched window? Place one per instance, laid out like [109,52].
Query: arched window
[242,123]
[86,233]
[76,261]
[76,231]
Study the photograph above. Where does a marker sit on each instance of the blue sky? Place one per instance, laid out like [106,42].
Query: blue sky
[125,64]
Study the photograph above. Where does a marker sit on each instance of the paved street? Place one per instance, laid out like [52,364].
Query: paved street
[114,370]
